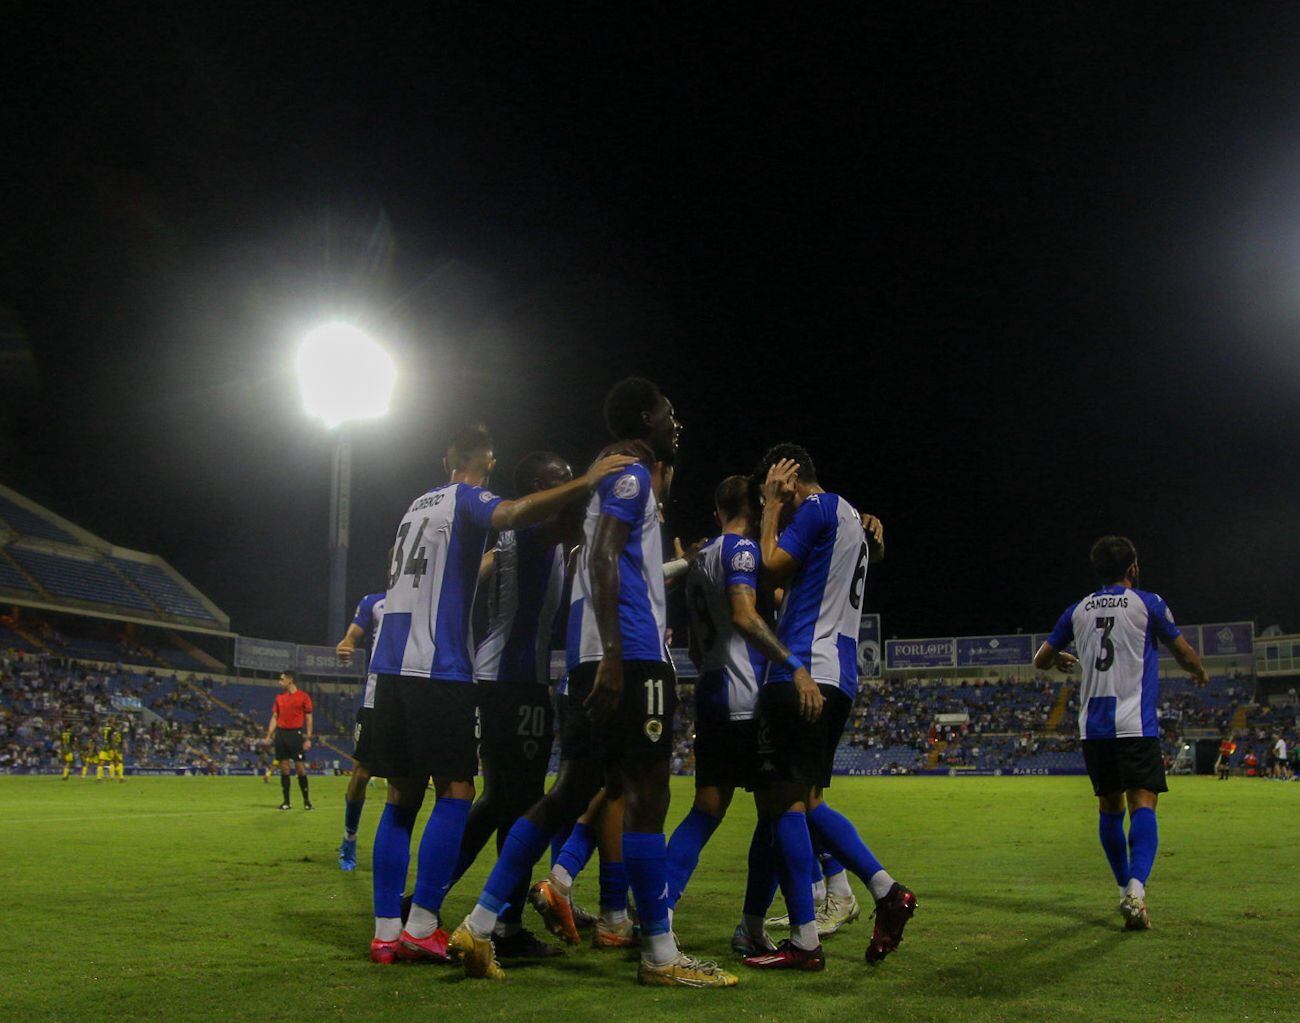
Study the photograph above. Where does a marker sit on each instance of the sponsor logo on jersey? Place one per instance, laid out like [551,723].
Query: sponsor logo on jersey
[742,561]
[627,486]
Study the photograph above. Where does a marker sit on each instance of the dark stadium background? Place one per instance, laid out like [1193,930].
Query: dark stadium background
[1014,278]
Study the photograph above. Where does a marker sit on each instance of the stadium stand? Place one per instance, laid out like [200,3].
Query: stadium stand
[49,563]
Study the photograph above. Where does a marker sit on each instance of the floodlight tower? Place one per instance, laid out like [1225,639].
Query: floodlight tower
[344,375]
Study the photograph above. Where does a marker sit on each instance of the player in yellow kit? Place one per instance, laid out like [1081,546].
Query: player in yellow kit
[116,742]
[67,750]
[90,755]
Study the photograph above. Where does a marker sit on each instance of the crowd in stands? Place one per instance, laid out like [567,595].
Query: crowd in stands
[167,724]
[214,726]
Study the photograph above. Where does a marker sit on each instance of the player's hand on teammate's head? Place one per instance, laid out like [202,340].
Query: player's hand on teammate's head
[606,465]
[779,485]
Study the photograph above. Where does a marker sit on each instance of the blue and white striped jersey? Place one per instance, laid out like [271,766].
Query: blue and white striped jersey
[730,668]
[823,603]
[642,617]
[526,591]
[1114,632]
[426,628]
[369,613]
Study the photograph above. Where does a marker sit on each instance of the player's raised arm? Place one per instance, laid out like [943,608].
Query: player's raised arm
[779,566]
[534,508]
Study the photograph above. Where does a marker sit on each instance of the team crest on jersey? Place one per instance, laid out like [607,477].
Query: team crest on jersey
[486,495]
[742,561]
[654,729]
[627,486]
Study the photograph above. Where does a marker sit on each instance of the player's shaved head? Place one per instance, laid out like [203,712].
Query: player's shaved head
[1111,557]
[540,470]
[731,498]
[469,447]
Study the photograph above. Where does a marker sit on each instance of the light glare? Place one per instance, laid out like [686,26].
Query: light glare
[344,374]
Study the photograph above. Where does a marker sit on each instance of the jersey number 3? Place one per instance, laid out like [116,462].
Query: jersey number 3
[1107,658]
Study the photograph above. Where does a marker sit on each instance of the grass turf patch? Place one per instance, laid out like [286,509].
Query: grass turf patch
[195,899]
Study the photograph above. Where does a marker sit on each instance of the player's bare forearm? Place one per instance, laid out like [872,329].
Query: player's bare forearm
[875,530]
[745,617]
[1189,660]
[1045,657]
[309,728]
[538,507]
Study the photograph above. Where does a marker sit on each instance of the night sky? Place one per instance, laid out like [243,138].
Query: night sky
[1015,279]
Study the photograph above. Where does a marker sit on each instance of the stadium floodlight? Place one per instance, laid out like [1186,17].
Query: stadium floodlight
[345,375]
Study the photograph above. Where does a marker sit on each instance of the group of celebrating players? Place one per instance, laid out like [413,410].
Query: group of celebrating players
[101,745]
[771,703]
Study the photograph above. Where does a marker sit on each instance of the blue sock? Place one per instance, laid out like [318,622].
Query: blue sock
[794,866]
[557,843]
[841,839]
[690,837]
[514,911]
[578,849]
[760,885]
[646,857]
[830,865]
[1143,838]
[439,852]
[613,885]
[391,857]
[523,847]
[351,816]
[1110,828]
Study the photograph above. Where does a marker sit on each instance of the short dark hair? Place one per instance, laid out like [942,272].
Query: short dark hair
[528,468]
[470,440]
[625,406]
[1111,557]
[732,496]
[290,674]
[774,454]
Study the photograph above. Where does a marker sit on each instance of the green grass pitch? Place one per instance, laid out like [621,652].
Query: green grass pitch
[194,899]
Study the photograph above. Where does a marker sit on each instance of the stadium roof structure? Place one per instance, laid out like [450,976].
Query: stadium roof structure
[50,563]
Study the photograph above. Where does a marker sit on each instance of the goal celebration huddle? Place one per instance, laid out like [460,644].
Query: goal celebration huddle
[775,600]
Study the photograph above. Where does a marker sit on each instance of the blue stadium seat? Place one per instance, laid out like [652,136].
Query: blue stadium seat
[77,579]
[28,523]
[162,589]
[12,579]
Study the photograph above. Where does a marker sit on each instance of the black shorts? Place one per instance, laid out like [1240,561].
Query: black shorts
[288,744]
[422,727]
[362,737]
[642,726]
[725,753]
[518,724]
[1117,765]
[790,749]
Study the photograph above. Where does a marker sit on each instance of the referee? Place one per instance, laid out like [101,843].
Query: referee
[291,727]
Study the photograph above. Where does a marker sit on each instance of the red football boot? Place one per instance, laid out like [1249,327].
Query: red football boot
[432,949]
[383,951]
[788,957]
[892,914]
